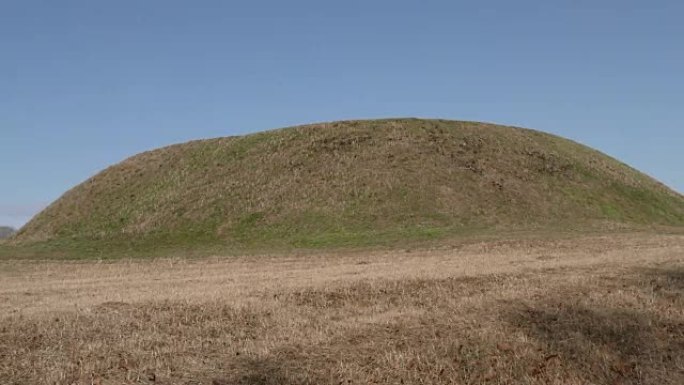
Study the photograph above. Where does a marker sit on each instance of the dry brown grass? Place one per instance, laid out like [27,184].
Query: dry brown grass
[599,310]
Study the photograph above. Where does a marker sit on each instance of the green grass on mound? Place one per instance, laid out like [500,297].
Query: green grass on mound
[346,184]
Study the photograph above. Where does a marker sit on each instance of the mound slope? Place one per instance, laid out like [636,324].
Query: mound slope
[352,183]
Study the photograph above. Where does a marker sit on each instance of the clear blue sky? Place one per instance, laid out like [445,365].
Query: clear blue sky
[84,84]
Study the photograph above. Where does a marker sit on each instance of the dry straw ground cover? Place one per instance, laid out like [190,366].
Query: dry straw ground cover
[595,310]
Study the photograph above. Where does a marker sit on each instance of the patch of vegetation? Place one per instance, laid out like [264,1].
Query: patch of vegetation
[6,232]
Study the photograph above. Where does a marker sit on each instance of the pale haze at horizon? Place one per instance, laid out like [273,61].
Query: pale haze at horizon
[85,84]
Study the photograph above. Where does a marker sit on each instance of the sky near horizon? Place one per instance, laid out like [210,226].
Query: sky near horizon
[85,84]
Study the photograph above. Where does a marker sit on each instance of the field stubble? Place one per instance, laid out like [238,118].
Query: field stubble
[595,310]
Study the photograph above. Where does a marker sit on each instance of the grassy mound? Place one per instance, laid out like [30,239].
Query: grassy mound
[351,183]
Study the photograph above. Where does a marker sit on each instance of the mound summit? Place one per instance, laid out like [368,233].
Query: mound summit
[351,183]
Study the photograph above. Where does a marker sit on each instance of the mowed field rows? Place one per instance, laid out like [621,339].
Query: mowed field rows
[591,310]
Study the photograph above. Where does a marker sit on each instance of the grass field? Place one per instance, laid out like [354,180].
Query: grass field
[590,310]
